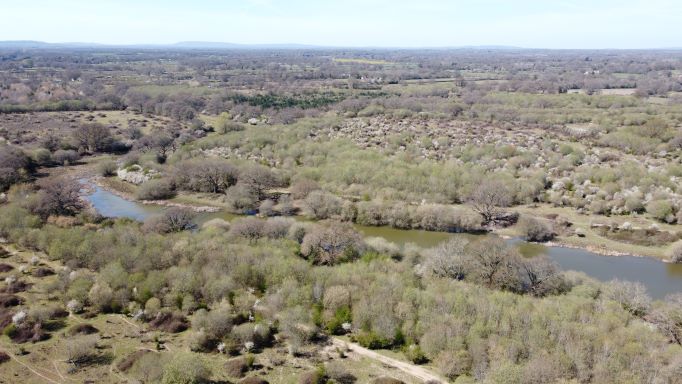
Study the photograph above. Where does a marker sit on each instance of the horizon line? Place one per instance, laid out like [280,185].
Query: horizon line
[198,44]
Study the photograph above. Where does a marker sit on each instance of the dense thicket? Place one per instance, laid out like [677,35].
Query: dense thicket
[459,309]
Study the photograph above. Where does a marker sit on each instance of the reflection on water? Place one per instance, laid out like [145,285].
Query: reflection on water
[401,237]
[659,278]
[530,249]
[674,270]
[110,205]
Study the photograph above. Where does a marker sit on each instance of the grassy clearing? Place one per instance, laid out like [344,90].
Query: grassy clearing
[592,239]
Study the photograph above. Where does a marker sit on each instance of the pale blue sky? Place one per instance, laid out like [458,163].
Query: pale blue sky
[422,23]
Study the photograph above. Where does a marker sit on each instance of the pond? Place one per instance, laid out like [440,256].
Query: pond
[659,278]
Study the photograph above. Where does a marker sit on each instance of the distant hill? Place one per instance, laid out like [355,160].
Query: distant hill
[211,45]
[219,45]
[31,44]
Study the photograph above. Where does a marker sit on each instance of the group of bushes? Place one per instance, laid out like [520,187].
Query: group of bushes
[459,308]
[322,205]
[492,263]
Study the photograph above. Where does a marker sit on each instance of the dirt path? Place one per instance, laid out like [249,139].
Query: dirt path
[35,372]
[411,369]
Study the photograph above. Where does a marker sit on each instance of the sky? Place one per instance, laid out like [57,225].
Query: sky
[563,24]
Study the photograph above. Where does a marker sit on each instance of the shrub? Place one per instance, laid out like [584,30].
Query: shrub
[250,228]
[298,230]
[101,297]
[302,188]
[660,210]
[284,206]
[174,219]
[371,340]
[631,296]
[217,323]
[172,322]
[14,166]
[257,334]
[488,197]
[152,307]
[82,351]
[383,246]
[277,227]
[313,377]
[156,189]
[65,157]
[339,374]
[258,179]
[82,329]
[454,363]
[185,368]
[57,196]
[8,300]
[93,137]
[535,230]
[107,168]
[266,208]
[400,216]
[448,259]
[42,156]
[206,175]
[371,213]
[331,242]
[241,198]
[237,367]
[676,253]
[322,205]
[414,353]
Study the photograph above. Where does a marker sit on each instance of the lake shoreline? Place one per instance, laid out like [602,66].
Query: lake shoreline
[164,203]
[96,180]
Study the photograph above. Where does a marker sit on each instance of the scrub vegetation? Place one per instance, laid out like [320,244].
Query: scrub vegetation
[299,146]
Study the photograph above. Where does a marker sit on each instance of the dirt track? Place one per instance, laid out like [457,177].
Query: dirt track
[411,369]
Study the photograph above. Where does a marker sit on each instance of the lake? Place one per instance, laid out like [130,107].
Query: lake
[659,278]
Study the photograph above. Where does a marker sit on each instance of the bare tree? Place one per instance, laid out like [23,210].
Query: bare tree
[494,263]
[541,276]
[632,296]
[258,178]
[172,220]
[489,197]
[58,196]
[14,166]
[331,242]
[162,144]
[207,175]
[668,317]
[449,258]
[536,230]
[93,137]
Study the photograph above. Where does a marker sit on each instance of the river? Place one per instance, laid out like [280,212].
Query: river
[659,278]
